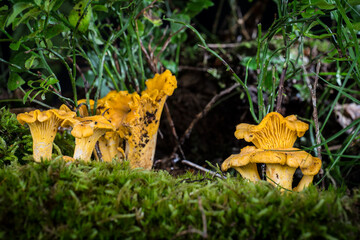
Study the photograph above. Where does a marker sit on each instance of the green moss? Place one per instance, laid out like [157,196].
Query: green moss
[53,200]
[15,140]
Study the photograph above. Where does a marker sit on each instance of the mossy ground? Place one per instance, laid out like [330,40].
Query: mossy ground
[55,200]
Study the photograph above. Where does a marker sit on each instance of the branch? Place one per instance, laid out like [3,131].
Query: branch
[281,89]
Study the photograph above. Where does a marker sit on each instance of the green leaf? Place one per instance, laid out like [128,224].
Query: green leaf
[193,7]
[15,81]
[15,45]
[30,62]
[153,17]
[52,81]
[353,2]
[38,2]
[3,145]
[32,13]
[2,21]
[4,8]
[35,95]
[17,9]
[54,5]
[100,8]
[356,26]
[323,4]
[53,30]
[77,12]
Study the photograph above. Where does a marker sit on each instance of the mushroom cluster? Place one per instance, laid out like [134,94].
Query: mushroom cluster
[274,138]
[125,125]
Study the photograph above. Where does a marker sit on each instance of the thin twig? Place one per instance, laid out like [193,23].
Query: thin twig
[168,41]
[202,169]
[144,9]
[224,45]
[143,49]
[315,114]
[241,22]
[98,152]
[203,217]
[281,89]
[173,130]
[147,56]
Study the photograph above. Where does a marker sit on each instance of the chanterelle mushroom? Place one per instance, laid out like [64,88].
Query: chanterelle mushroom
[141,124]
[274,138]
[43,127]
[308,174]
[87,131]
[110,146]
[241,162]
[114,107]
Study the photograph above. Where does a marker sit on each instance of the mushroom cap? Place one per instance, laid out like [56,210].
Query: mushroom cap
[291,157]
[85,127]
[160,86]
[239,160]
[42,116]
[274,131]
[313,169]
[116,107]
[65,108]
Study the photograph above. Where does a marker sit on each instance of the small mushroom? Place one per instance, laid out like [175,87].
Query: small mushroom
[114,107]
[281,164]
[87,131]
[241,162]
[43,127]
[141,124]
[83,109]
[274,138]
[109,145]
[308,174]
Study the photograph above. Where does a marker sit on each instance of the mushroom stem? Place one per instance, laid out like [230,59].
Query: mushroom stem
[304,183]
[109,144]
[280,175]
[85,146]
[249,172]
[42,150]
[143,156]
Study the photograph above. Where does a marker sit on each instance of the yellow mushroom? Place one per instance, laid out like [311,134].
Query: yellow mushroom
[43,127]
[141,124]
[110,147]
[83,109]
[114,107]
[274,131]
[241,162]
[87,131]
[308,174]
[281,164]
[274,138]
